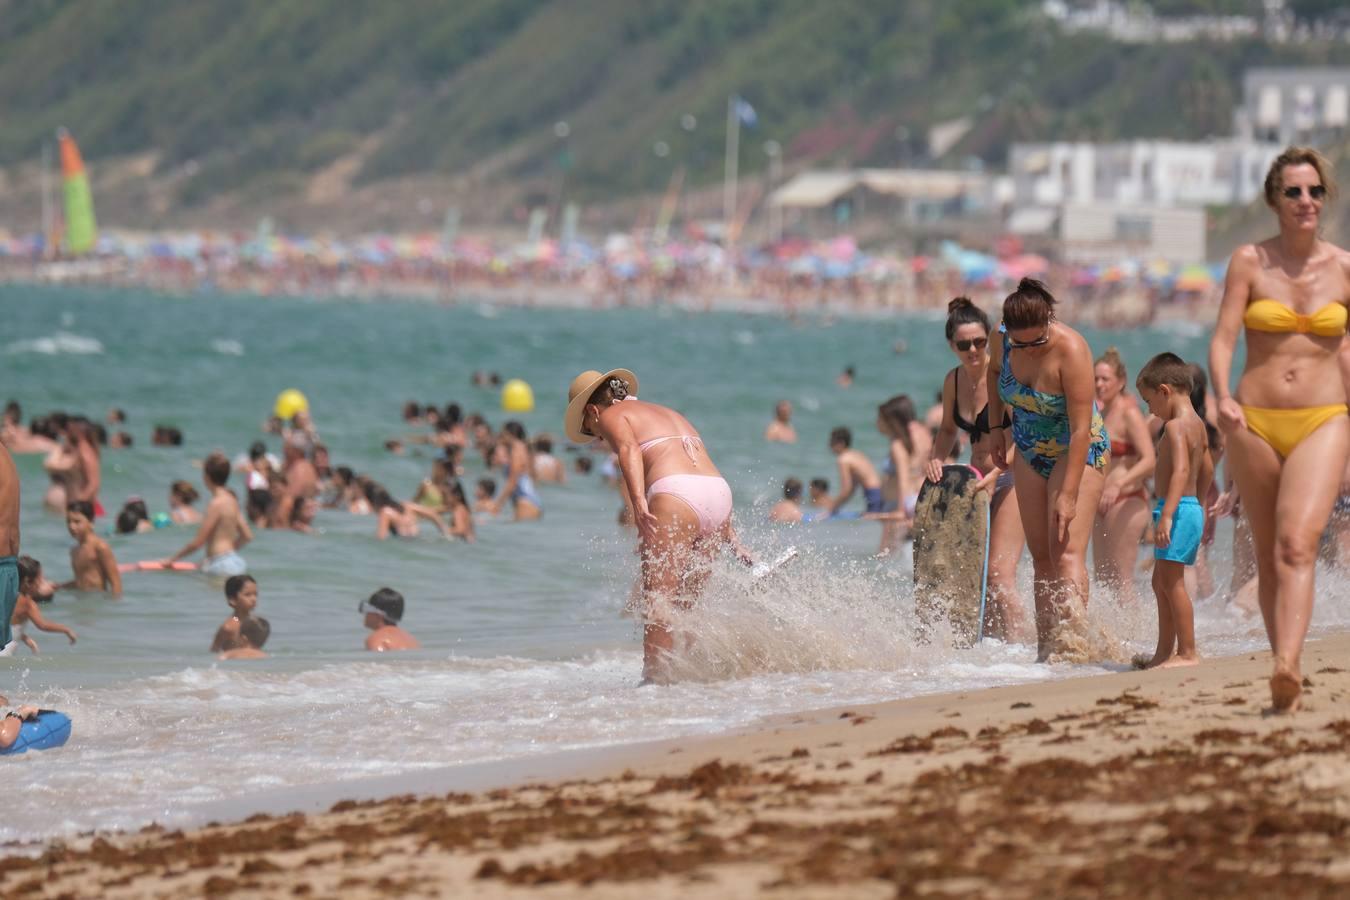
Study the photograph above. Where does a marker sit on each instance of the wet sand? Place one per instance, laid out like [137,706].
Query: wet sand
[1154,784]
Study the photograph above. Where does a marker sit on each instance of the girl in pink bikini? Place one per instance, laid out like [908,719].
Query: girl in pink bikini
[681,503]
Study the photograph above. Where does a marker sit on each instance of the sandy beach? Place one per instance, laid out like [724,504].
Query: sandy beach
[1156,784]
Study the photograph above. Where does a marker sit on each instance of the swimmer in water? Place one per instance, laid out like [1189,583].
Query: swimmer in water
[519,484]
[819,490]
[19,439]
[241,595]
[547,467]
[855,471]
[224,530]
[845,379]
[789,509]
[399,519]
[910,444]
[91,558]
[248,643]
[383,612]
[33,588]
[780,430]
[86,475]
[295,509]
[483,497]
[181,497]
[681,503]
[11,724]
[1123,510]
[461,517]
[433,491]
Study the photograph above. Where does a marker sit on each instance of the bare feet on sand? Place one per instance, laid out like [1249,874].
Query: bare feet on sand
[1286,688]
[1175,661]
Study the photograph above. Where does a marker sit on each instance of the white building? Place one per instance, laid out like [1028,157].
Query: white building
[1150,173]
[1294,105]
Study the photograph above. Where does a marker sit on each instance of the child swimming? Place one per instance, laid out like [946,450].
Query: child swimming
[181,497]
[383,611]
[91,559]
[248,643]
[31,587]
[241,593]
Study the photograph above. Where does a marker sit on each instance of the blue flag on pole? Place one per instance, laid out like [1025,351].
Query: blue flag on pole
[745,113]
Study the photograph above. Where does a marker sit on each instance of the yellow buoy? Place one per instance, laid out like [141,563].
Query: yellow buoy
[289,402]
[517,396]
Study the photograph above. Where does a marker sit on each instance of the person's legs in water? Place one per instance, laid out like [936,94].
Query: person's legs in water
[1115,546]
[665,560]
[1070,592]
[1003,617]
[1034,507]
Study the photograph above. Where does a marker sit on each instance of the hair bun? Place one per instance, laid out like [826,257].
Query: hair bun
[618,389]
[956,303]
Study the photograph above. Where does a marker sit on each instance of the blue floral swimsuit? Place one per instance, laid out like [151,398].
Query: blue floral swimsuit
[1040,423]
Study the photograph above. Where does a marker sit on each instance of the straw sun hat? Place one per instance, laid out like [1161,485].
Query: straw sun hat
[579,394]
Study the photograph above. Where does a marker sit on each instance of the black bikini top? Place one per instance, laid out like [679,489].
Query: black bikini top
[981,424]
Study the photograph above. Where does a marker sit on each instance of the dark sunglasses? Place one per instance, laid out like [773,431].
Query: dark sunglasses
[1022,345]
[1316,192]
[977,343]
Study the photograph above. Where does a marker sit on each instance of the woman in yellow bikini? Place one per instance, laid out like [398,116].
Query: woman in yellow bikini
[1287,429]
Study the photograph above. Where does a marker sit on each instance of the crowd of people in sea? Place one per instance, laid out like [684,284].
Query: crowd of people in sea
[1070,459]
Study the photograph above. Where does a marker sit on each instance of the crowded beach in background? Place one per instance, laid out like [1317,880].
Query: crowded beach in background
[694,270]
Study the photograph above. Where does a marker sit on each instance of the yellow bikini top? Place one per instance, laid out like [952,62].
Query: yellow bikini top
[1274,317]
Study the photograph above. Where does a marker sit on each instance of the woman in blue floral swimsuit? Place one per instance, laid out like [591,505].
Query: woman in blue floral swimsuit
[1042,371]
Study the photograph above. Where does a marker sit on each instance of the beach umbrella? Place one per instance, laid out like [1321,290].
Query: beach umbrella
[1194,278]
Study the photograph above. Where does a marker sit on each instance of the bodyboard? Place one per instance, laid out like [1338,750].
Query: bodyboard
[951,553]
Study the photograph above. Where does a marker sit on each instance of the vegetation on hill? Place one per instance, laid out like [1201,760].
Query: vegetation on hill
[259,95]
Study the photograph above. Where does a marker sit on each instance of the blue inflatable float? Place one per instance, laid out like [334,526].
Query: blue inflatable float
[50,729]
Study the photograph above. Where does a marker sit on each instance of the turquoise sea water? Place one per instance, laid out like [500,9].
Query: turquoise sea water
[524,648]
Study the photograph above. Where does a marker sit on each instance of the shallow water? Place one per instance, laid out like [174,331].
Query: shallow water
[525,649]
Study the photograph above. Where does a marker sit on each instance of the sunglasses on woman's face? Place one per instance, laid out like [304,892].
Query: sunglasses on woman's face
[977,343]
[1316,192]
[1022,345]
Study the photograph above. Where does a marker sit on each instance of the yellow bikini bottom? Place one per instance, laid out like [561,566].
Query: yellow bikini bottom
[1285,429]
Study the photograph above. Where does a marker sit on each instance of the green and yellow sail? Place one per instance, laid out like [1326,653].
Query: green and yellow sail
[81,230]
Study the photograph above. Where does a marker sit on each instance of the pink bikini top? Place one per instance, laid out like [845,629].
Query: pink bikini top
[692,443]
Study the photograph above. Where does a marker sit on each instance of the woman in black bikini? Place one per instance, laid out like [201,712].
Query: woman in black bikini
[1123,511]
[965,407]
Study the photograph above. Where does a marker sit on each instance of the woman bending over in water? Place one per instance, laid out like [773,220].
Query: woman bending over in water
[1286,427]
[399,519]
[681,503]
[1123,511]
[1042,371]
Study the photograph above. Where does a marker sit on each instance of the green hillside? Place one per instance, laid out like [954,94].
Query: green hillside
[256,96]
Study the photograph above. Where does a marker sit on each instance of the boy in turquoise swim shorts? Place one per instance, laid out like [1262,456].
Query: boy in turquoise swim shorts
[1184,473]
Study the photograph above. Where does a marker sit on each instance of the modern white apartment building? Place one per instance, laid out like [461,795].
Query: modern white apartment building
[1303,105]
[1150,173]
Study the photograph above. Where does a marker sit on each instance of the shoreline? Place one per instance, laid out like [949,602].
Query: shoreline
[980,793]
[560,296]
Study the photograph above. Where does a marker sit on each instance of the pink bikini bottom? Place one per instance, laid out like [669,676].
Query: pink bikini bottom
[709,496]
